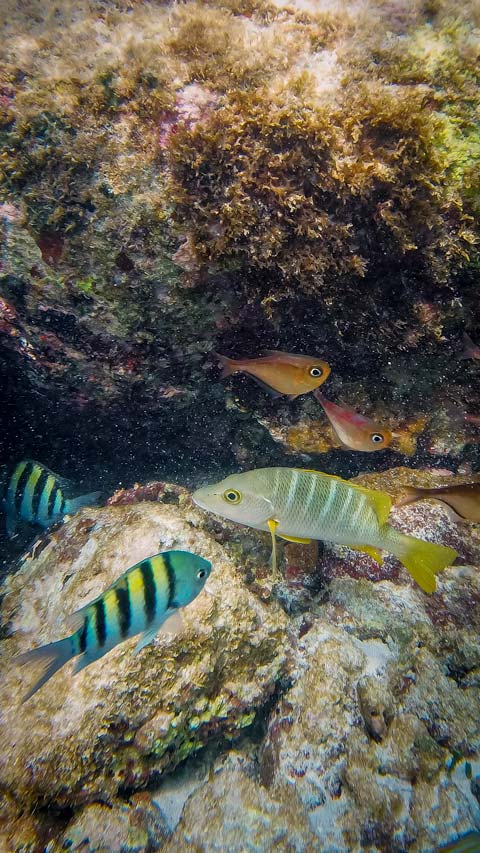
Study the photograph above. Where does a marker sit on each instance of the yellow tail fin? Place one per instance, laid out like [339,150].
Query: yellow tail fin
[422,559]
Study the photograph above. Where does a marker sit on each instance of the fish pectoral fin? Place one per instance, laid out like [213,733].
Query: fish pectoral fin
[381,503]
[272,526]
[173,624]
[367,549]
[294,539]
[146,638]
[268,388]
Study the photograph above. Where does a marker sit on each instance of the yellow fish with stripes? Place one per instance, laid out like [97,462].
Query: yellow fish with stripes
[300,505]
[35,494]
[145,599]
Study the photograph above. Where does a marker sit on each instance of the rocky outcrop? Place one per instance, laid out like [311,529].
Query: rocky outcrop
[126,719]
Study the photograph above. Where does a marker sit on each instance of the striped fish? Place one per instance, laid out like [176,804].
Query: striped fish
[301,505]
[142,600]
[36,495]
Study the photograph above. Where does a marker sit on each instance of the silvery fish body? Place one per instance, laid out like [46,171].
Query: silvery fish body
[147,596]
[299,504]
[305,504]
[34,494]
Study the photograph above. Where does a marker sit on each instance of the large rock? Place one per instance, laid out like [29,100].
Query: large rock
[125,719]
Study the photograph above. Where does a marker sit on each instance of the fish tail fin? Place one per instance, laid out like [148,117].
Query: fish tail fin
[423,560]
[319,397]
[74,504]
[468,347]
[227,364]
[409,496]
[49,658]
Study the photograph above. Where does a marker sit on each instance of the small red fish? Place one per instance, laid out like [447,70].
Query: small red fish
[472,419]
[471,350]
[353,430]
[280,372]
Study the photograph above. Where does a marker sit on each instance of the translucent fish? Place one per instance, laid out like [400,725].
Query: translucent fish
[280,372]
[353,430]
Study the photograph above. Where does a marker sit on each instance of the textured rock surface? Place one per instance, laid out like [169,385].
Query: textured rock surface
[126,718]
[370,738]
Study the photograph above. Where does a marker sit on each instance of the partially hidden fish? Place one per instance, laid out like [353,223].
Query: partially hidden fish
[353,430]
[146,598]
[280,372]
[300,505]
[35,494]
[472,419]
[463,500]
[470,349]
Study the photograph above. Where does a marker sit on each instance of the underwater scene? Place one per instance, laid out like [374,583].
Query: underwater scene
[240,426]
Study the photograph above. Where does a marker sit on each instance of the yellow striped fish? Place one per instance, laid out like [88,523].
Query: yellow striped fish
[301,505]
[146,597]
[35,494]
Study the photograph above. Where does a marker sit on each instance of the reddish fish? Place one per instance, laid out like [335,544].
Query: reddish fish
[470,350]
[280,372]
[463,500]
[353,430]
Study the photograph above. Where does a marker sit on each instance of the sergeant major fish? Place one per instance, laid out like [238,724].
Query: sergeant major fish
[353,430]
[35,494]
[280,372]
[300,505]
[146,598]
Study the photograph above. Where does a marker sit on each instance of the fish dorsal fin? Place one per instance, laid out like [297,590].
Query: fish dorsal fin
[367,549]
[381,502]
[64,483]
[290,357]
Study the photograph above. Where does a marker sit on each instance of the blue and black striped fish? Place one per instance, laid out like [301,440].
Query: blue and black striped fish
[146,597]
[37,495]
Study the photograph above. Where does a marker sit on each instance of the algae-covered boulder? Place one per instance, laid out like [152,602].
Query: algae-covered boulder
[125,719]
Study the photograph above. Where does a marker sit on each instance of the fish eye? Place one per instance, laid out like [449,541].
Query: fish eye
[376,437]
[232,496]
[201,574]
[316,372]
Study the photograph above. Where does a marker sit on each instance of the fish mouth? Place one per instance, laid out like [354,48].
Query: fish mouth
[199,498]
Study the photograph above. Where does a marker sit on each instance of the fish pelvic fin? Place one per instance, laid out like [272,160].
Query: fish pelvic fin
[49,658]
[423,560]
[227,364]
[10,524]
[272,526]
[374,553]
[294,539]
[74,504]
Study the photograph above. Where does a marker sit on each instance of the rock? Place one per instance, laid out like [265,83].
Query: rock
[125,719]
[127,828]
